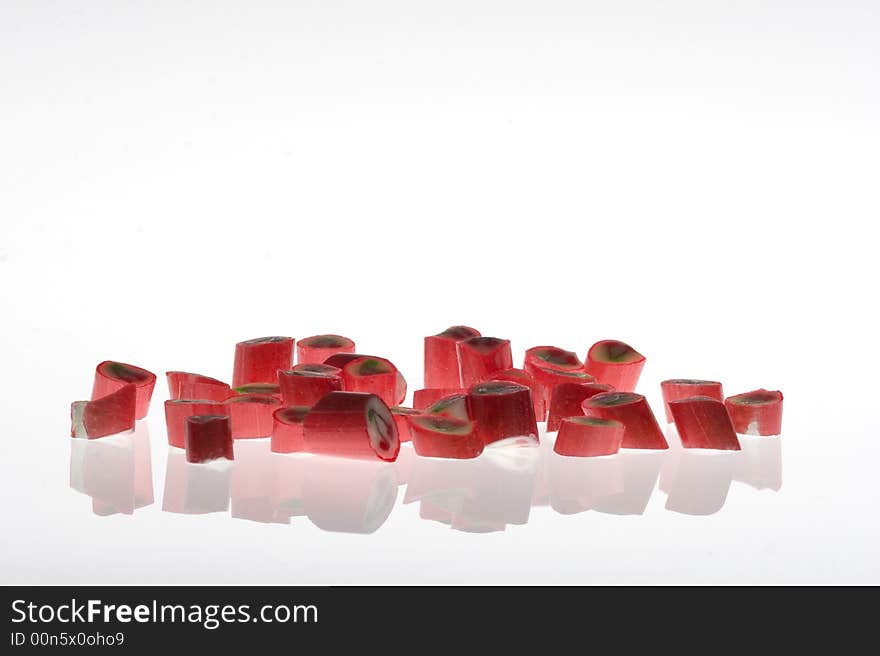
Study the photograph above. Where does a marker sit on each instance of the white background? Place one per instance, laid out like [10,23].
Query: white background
[697,179]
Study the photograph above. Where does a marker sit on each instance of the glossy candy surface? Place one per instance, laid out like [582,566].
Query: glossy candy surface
[641,430]
[111,376]
[340,360]
[176,412]
[317,348]
[434,436]
[482,356]
[400,414]
[454,405]
[567,399]
[442,368]
[522,377]
[703,423]
[110,414]
[208,437]
[251,414]
[287,429]
[502,410]
[427,397]
[615,363]
[186,385]
[258,360]
[351,424]
[588,436]
[675,389]
[546,381]
[756,413]
[306,384]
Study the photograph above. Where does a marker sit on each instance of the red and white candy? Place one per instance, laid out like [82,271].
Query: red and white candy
[353,425]
[756,413]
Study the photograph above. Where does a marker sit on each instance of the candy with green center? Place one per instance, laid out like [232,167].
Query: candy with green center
[480,357]
[317,348]
[271,389]
[110,414]
[186,385]
[435,436]
[251,414]
[111,376]
[306,384]
[400,413]
[425,398]
[342,360]
[641,430]
[442,368]
[552,357]
[676,389]
[615,363]
[176,412]
[703,423]
[454,405]
[372,375]
[258,360]
[588,436]
[502,410]
[567,398]
[758,412]
[287,429]
[353,425]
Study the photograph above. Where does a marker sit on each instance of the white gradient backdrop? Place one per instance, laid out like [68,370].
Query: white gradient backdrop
[699,179]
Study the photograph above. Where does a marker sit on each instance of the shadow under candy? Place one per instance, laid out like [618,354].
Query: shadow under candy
[116,471]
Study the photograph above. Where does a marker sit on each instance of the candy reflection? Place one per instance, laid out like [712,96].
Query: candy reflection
[195,489]
[761,463]
[116,472]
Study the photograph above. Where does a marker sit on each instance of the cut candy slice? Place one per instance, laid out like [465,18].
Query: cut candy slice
[425,398]
[552,357]
[400,414]
[351,424]
[258,360]
[756,413]
[522,377]
[110,414]
[703,423]
[251,414]
[502,410]
[442,368]
[186,385]
[567,399]
[588,436]
[176,412]
[111,376]
[287,429]
[676,389]
[269,389]
[482,356]
[306,384]
[443,437]
[454,405]
[317,348]
[615,363]
[641,430]
[371,375]
[547,379]
[208,437]
[340,360]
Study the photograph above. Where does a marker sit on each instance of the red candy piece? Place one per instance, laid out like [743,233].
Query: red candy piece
[454,405]
[268,389]
[208,437]
[685,388]
[502,410]
[176,412]
[547,379]
[756,413]
[316,349]
[567,399]
[111,376]
[258,360]
[424,398]
[434,436]
[641,430]
[400,414]
[287,429]
[371,375]
[522,377]
[615,363]
[552,357]
[340,360]
[110,414]
[442,368]
[703,423]
[588,436]
[305,384]
[251,414]
[482,356]
[185,385]
[351,424]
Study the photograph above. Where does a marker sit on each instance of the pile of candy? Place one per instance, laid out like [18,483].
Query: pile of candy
[335,401]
